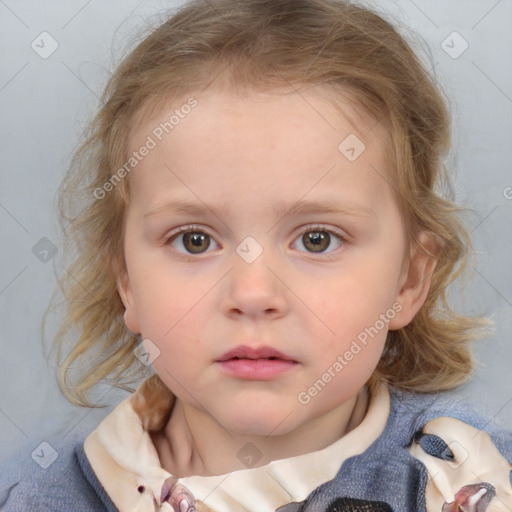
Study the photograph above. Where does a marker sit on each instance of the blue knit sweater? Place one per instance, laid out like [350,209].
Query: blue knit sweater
[386,474]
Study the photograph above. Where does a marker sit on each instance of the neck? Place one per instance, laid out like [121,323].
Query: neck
[193,443]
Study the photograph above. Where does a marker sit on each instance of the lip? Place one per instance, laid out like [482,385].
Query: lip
[246,352]
[262,363]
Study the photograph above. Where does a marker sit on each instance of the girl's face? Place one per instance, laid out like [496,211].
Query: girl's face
[294,251]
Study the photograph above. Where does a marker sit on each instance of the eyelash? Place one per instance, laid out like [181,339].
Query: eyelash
[311,228]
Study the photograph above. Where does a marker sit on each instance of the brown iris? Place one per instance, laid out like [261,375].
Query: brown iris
[317,241]
[194,242]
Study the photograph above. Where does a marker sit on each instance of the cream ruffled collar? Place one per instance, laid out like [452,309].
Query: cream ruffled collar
[125,461]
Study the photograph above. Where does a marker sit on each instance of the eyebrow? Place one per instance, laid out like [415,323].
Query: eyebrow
[280,210]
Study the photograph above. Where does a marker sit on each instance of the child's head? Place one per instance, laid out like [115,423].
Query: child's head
[247,106]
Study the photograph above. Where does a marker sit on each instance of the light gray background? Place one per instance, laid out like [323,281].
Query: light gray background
[45,103]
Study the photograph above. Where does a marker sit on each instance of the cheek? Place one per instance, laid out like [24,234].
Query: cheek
[355,302]
[355,311]
[181,358]
[166,300]
[176,322]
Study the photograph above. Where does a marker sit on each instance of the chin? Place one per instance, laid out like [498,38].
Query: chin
[259,422]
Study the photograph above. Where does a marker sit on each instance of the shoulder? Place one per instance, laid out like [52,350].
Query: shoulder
[411,413]
[436,452]
[48,478]
[465,453]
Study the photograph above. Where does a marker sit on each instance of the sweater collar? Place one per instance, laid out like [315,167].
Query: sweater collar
[125,461]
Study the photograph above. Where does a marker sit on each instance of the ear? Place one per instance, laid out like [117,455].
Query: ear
[124,289]
[416,279]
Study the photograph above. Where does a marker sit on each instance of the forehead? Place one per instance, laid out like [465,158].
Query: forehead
[319,103]
[253,141]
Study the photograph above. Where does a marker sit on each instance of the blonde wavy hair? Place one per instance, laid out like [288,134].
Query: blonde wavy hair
[264,45]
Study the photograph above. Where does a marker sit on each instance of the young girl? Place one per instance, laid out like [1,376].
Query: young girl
[258,222]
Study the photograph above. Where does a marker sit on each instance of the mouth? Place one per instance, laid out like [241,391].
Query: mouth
[471,498]
[264,363]
[245,352]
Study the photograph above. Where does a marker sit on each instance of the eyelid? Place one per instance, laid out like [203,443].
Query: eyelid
[186,228]
[322,227]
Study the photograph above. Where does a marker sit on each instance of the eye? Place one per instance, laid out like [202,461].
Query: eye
[194,240]
[434,445]
[190,240]
[316,239]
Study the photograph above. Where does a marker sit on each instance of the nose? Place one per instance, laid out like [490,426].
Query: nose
[256,290]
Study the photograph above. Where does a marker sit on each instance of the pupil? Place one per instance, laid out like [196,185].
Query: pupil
[197,240]
[316,238]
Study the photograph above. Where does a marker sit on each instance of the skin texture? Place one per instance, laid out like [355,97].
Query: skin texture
[240,155]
